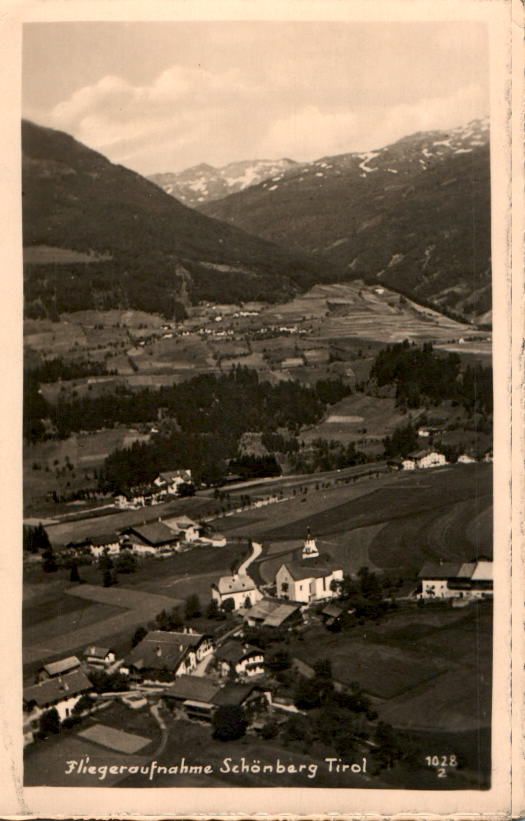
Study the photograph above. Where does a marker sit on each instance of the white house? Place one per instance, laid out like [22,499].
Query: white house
[465,459]
[99,657]
[305,582]
[163,655]
[186,529]
[408,464]
[107,543]
[61,692]
[464,580]
[425,459]
[169,480]
[240,588]
[237,660]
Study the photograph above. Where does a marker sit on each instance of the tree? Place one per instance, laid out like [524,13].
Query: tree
[50,722]
[247,602]
[84,704]
[73,574]
[212,611]
[108,579]
[228,605]
[228,723]
[193,607]
[186,489]
[126,562]
[49,564]
[138,635]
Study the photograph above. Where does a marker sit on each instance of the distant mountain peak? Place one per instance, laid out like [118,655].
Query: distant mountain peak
[204,183]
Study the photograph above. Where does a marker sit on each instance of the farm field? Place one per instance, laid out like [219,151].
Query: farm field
[358,418]
[427,668]
[395,522]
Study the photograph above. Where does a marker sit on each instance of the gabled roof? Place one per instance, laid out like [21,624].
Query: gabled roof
[332,611]
[234,651]
[280,614]
[97,652]
[179,522]
[56,668]
[483,571]
[440,570]
[418,454]
[233,694]
[262,609]
[56,689]
[195,688]
[105,538]
[162,649]
[235,584]
[155,533]
[169,475]
[300,572]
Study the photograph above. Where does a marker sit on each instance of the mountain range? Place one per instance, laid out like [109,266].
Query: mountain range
[414,215]
[203,183]
[97,235]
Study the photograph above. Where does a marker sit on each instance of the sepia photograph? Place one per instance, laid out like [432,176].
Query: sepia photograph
[258,404]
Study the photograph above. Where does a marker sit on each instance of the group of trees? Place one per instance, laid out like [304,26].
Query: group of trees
[51,370]
[365,595]
[422,376]
[35,538]
[229,404]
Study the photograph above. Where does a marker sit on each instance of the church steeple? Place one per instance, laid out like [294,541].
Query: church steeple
[310,549]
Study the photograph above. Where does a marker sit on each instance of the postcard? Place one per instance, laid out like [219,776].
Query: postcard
[261,263]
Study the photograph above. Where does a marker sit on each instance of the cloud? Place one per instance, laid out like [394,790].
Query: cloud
[310,133]
[190,114]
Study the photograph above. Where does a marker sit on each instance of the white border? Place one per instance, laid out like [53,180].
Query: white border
[215,802]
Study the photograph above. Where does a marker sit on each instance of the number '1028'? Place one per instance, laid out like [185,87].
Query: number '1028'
[441,761]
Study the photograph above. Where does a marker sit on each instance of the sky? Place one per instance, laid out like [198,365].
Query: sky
[160,97]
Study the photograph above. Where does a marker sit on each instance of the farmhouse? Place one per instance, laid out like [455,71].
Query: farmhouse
[99,657]
[253,698]
[61,692]
[236,660]
[425,459]
[465,459]
[186,529]
[153,534]
[163,655]
[306,582]
[169,481]
[106,543]
[241,588]
[194,695]
[273,613]
[464,580]
[58,668]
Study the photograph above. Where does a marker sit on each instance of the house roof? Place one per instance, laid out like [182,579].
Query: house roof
[155,533]
[234,651]
[179,522]
[440,570]
[418,454]
[280,614]
[55,689]
[194,688]
[233,694]
[332,610]
[162,649]
[169,475]
[262,609]
[56,668]
[105,538]
[483,571]
[97,652]
[307,571]
[235,584]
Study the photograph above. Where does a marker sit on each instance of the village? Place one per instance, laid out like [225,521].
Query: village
[231,662]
